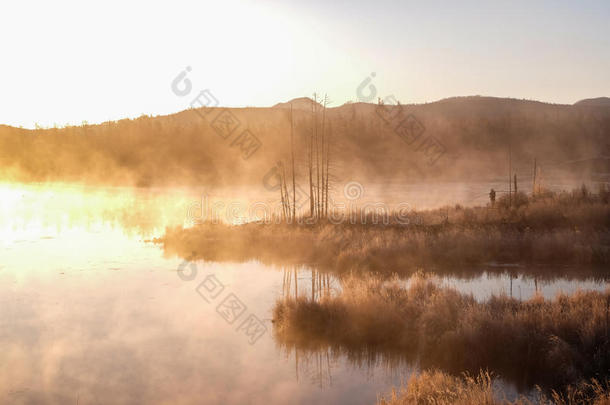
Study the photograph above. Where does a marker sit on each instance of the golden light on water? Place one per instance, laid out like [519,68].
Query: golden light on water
[46,210]
[373,189]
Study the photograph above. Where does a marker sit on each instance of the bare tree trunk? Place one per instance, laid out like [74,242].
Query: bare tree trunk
[282,193]
[288,282]
[294,200]
[327,167]
[311,194]
[534,182]
[317,172]
[296,283]
[284,284]
[322,168]
[510,191]
[286,193]
[313,287]
[515,187]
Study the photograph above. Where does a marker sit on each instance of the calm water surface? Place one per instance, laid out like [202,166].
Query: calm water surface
[93,313]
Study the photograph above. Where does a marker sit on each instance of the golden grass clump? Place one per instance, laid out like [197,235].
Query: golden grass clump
[439,388]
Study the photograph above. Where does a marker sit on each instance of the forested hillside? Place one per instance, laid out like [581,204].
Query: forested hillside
[453,139]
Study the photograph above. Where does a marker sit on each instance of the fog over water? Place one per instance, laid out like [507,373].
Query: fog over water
[92,310]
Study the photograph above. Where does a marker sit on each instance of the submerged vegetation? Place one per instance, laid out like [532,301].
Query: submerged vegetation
[548,342]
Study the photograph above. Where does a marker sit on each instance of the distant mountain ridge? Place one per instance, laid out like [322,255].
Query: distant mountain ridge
[368,141]
[598,102]
[300,103]
[305,102]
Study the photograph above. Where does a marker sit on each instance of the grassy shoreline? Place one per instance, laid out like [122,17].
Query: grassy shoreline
[554,230]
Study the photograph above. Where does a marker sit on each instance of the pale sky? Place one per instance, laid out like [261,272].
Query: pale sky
[69,61]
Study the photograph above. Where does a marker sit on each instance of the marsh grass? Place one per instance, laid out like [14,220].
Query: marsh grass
[569,230]
[549,342]
[438,388]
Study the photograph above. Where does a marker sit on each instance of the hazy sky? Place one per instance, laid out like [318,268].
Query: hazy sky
[69,61]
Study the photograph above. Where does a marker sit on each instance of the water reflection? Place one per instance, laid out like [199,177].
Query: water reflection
[481,283]
[314,283]
[47,210]
[524,286]
[417,324]
[142,335]
[90,313]
[304,281]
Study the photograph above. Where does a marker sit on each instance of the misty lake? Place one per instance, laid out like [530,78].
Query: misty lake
[92,310]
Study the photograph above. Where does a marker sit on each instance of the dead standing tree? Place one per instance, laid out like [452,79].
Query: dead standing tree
[317,190]
[318,165]
[288,205]
[325,161]
[534,181]
[327,170]
[294,201]
[283,192]
[310,162]
[318,162]
[324,196]
[287,197]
